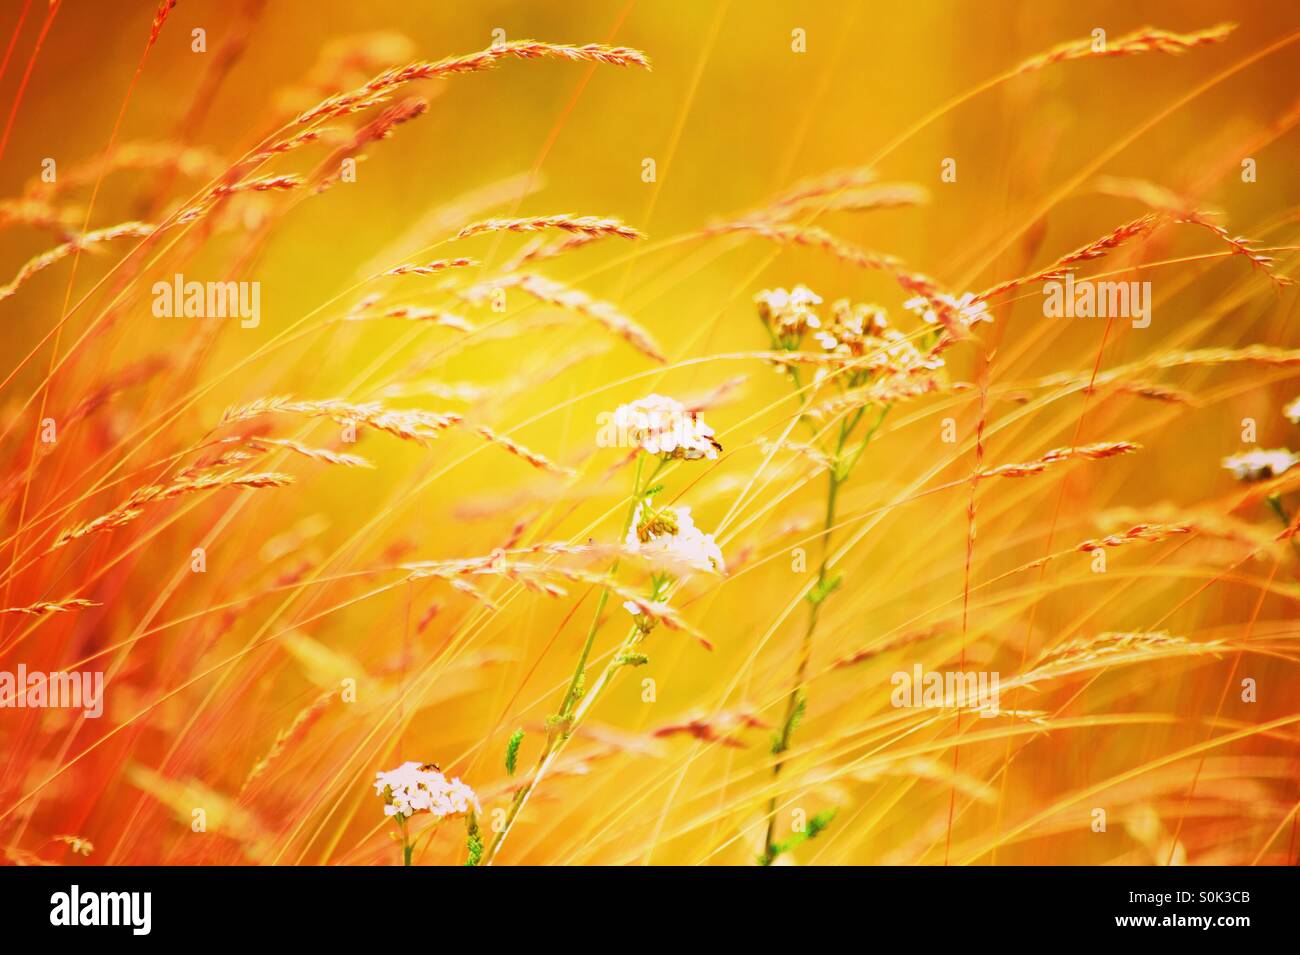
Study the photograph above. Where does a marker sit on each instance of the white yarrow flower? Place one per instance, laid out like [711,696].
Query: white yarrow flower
[415,787]
[969,311]
[661,425]
[671,533]
[798,297]
[1259,465]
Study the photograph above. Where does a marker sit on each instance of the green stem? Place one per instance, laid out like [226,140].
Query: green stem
[807,402]
[555,745]
[407,846]
[853,458]
[837,476]
[571,709]
[572,695]
[792,701]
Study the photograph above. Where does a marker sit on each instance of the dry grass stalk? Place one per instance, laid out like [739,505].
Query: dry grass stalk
[718,728]
[323,455]
[437,388]
[816,237]
[1143,40]
[342,64]
[1091,452]
[43,607]
[206,482]
[413,313]
[330,171]
[465,587]
[39,263]
[539,461]
[1251,354]
[502,559]
[287,737]
[132,508]
[1136,229]
[827,184]
[891,389]
[222,460]
[895,643]
[1148,193]
[538,577]
[415,425]
[814,454]
[574,300]
[433,268]
[1206,523]
[1151,194]
[382,126]
[279,183]
[883,195]
[1157,392]
[374,91]
[164,8]
[289,145]
[1108,649]
[590,227]
[417,313]
[539,250]
[195,162]
[1147,533]
[813,237]
[129,377]
[1239,245]
[41,214]
[106,522]
[1086,253]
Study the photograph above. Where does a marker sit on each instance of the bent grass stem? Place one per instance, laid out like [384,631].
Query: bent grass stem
[795,701]
[571,710]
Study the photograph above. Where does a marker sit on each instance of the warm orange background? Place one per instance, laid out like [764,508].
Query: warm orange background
[731,116]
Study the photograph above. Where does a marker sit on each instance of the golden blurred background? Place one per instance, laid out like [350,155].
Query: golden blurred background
[223,686]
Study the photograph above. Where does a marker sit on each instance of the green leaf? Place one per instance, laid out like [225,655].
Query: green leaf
[512,750]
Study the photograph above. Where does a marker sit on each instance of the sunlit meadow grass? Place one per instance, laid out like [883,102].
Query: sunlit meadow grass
[606,544]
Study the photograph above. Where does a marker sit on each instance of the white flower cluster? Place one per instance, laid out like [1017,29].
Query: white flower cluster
[798,297]
[671,533]
[415,787]
[1259,465]
[969,311]
[788,314]
[661,425]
